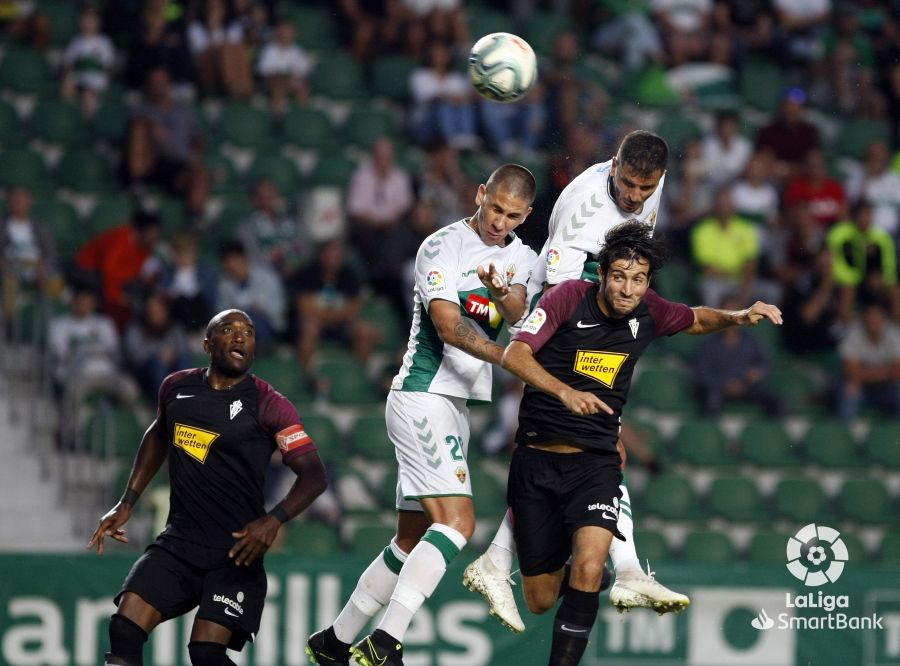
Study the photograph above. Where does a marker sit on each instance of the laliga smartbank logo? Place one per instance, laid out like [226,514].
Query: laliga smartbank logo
[816,555]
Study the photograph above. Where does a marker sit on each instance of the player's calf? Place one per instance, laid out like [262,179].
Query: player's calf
[208,654]
[126,642]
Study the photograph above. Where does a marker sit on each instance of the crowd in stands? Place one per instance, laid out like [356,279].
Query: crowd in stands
[239,179]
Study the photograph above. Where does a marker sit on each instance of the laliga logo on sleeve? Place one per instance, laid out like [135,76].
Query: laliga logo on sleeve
[435,280]
[816,555]
[553,257]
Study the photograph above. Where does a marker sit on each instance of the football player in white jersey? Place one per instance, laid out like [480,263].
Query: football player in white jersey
[471,280]
[627,187]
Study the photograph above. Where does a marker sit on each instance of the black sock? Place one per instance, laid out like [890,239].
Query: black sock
[126,640]
[333,644]
[572,626]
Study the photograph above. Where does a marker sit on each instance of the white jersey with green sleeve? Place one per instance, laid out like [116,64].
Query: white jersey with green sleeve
[582,215]
[446,269]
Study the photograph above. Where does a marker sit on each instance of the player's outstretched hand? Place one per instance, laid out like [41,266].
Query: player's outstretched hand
[583,403]
[493,280]
[110,526]
[759,311]
[254,540]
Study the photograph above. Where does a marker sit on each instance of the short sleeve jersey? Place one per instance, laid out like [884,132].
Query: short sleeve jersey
[582,215]
[575,342]
[220,442]
[446,269]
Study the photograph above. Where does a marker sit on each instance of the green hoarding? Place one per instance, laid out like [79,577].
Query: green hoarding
[54,609]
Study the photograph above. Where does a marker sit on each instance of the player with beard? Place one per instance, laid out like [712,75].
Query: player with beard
[218,426]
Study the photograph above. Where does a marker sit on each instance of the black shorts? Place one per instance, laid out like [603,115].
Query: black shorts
[177,579]
[552,495]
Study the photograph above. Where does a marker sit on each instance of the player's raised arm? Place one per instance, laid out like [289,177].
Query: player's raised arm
[710,320]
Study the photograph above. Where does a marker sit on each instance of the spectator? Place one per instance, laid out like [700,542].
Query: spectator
[216,41]
[190,284]
[271,235]
[876,182]
[155,345]
[754,22]
[84,348]
[158,47]
[626,30]
[801,27]
[864,262]
[442,102]
[754,195]
[689,194]
[870,365]
[515,129]
[789,136]
[726,151]
[725,247]
[685,26]
[444,20]
[814,186]
[733,367]
[568,92]
[284,67]
[115,259]
[28,255]
[254,288]
[164,145]
[811,295]
[442,183]
[329,298]
[372,26]
[850,58]
[87,63]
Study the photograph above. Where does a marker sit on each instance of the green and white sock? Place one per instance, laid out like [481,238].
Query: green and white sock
[623,553]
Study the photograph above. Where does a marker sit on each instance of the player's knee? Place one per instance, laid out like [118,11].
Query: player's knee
[587,574]
[539,600]
[126,641]
[208,654]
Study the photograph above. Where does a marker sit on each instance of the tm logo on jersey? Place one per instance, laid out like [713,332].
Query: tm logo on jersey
[482,309]
[599,365]
[193,441]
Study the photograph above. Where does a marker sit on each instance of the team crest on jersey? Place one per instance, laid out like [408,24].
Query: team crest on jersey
[634,324]
[435,281]
[535,320]
[510,273]
[553,257]
[599,365]
[234,409]
[461,474]
[196,442]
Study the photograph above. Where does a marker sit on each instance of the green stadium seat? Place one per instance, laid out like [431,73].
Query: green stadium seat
[63,17]
[488,494]
[338,77]
[795,388]
[483,21]
[26,72]
[708,547]
[57,122]
[276,168]
[315,26]
[856,549]
[21,166]
[311,129]
[801,500]
[110,121]
[387,495]
[856,134]
[112,211]
[390,77]
[371,539]
[227,224]
[381,314]
[541,29]
[883,444]
[83,170]
[767,444]
[221,173]
[737,499]
[682,345]
[768,548]
[889,551]
[286,375]
[363,126]
[865,501]
[830,443]
[69,233]
[347,383]
[326,436]
[311,539]
[332,171]
[761,83]
[675,282]
[113,432]
[665,390]
[11,134]
[369,439]
[677,131]
[671,497]
[701,442]
[652,545]
[245,126]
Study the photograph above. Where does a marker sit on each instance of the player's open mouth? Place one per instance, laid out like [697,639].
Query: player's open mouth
[237,353]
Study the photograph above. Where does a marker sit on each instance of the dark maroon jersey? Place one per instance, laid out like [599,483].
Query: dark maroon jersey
[220,443]
[576,343]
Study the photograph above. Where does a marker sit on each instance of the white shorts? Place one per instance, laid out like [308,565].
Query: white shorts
[430,433]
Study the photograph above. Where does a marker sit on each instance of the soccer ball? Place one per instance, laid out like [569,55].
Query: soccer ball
[502,67]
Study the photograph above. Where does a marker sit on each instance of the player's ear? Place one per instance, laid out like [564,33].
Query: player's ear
[479,195]
[206,345]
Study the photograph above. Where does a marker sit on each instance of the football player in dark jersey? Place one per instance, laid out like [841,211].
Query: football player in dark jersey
[218,426]
[577,352]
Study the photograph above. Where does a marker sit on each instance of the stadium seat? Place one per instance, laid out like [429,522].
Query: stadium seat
[856,549]
[286,375]
[889,551]
[311,129]
[541,29]
[857,133]
[21,166]
[664,389]
[801,500]
[381,314]
[326,436]
[701,442]
[369,439]
[371,539]
[83,170]
[111,211]
[311,538]
[277,168]
[26,72]
[390,77]
[110,121]
[883,444]
[677,130]
[57,122]
[737,499]
[68,231]
[768,548]
[347,383]
[387,494]
[338,77]
[245,126]
[11,134]
[865,501]
[675,282]
[483,21]
[708,547]
[761,83]
[671,497]
[63,17]
[830,443]
[795,389]
[172,213]
[332,171]
[221,173]
[767,444]
[113,432]
[652,545]
[364,125]
[488,494]
[315,26]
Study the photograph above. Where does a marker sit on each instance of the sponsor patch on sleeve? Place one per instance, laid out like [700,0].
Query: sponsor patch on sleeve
[291,438]
[535,320]
[434,282]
